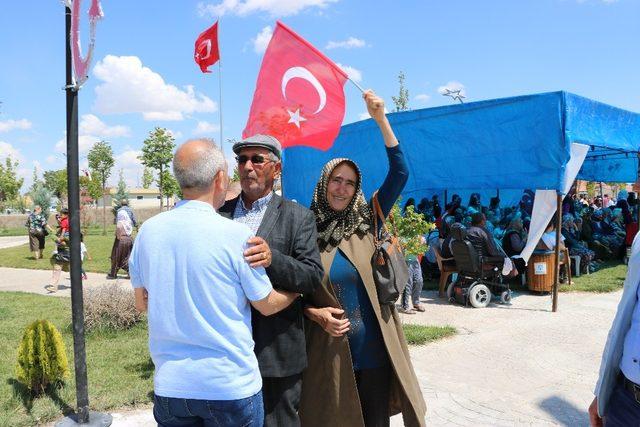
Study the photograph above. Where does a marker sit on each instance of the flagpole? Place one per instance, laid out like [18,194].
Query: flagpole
[220,89]
[356,84]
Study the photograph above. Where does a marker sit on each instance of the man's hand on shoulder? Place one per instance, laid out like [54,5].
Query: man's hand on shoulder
[259,254]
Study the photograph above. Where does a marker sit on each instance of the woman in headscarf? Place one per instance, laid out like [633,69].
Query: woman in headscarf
[515,238]
[38,230]
[122,245]
[571,235]
[359,372]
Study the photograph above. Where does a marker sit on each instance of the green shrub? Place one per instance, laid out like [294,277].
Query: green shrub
[42,358]
[110,307]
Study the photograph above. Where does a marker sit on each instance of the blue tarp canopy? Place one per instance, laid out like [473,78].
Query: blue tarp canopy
[510,143]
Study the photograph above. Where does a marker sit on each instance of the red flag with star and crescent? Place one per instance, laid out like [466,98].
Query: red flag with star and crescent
[299,96]
[206,52]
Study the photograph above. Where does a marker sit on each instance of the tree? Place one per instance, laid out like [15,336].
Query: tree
[10,184]
[236,175]
[121,193]
[147,178]
[402,100]
[410,227]
[101,162]
[56,182]
[41,196]
[35,180]
[170,186]
[157,153]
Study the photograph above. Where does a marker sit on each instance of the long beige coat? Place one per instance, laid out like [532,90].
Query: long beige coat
[329,391]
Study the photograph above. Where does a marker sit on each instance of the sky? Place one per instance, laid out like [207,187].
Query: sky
[143,74]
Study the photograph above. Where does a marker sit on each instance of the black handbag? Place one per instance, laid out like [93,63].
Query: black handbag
[390,270]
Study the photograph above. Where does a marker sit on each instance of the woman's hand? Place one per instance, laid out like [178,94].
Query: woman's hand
[594,418]
[375,105]
[329,319]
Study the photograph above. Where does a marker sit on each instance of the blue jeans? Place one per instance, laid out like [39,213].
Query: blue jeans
[175,412]
[413,287]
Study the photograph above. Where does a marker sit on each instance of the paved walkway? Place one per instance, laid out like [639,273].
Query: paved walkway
[10,241]
[508,365]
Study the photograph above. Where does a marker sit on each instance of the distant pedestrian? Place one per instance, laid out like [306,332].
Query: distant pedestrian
[121,245]
[124,206]
[84,253]
[38,230]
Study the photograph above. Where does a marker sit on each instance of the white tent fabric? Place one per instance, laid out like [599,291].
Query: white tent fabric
[545,203]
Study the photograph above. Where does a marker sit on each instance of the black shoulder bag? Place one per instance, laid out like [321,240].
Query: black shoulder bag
[390,271]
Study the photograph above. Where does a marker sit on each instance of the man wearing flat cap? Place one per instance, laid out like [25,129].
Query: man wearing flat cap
[285,244]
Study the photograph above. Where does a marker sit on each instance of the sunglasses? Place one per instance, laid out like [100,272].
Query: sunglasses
[256,159]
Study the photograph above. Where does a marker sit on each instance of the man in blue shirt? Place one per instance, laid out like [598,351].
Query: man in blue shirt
[188,270]
[617,393]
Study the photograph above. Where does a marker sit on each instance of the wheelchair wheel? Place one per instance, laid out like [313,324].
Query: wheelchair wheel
[505,297]
[450,292]
[479,296]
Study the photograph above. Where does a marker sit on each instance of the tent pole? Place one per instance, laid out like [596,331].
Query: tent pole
[498,193]
[446,199]
[601,193]
[556,273]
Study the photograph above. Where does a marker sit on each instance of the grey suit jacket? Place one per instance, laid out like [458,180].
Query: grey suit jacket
[290,231]
[612,354]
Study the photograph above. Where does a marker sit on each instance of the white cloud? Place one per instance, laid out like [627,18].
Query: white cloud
[261,41]
[92,125]
[422,97]
[206,128]
[177,135]
[353,73]
[349,43]
[85,142]
[7,125]
[131,168]
[129,87]
[8,150]
[275,8]
[452,86]
[51,159]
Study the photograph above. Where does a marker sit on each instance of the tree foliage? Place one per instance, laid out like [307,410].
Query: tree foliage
[147,178]
[10,184]
[402,100]
[56,182]
[170,186]
[101,162]
[42,358]
[411,228]
[41,196]
[157,153]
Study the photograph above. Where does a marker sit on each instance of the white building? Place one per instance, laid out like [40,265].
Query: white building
[138,198]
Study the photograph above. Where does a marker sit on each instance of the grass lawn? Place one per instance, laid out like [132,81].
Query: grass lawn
[119,368]
[22,231]
[99,248]
[608,279]
[420,335]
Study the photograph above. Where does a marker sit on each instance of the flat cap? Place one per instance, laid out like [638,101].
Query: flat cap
[264,141]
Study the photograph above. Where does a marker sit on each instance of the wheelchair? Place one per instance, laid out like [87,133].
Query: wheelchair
[478,280]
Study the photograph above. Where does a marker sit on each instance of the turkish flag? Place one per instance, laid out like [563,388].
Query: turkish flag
[299,96]
[206,51]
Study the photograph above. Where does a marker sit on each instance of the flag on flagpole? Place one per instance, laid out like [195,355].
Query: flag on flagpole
[206,51]
[299,95]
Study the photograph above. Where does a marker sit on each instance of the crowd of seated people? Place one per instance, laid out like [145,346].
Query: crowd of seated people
[596,229]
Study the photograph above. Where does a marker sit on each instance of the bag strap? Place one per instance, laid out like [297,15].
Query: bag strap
[377,214]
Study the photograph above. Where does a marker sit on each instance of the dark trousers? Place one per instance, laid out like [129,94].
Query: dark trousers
[281,400]
[373,390]
[623,410]
[175,412]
